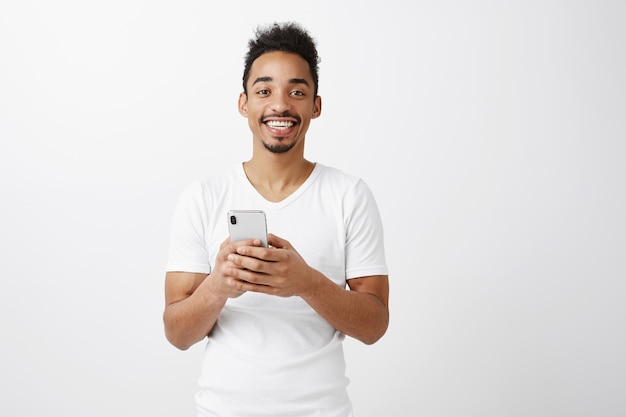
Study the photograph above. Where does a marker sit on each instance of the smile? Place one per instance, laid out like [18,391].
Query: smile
[279,124]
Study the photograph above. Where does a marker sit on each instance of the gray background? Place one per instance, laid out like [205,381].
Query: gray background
[492,133]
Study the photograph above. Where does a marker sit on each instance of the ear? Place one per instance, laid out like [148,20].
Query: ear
[317,107]
[243,104]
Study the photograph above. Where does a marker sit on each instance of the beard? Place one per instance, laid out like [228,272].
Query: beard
[280,148]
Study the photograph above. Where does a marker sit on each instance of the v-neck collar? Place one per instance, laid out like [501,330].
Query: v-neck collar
[241,173]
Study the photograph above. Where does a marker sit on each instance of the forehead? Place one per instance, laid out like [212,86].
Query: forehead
[280,66]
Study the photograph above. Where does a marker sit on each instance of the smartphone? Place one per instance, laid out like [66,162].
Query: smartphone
[247,224]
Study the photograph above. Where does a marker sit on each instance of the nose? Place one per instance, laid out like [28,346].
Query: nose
[280,102]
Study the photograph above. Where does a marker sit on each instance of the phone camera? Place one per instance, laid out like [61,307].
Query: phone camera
[233,220]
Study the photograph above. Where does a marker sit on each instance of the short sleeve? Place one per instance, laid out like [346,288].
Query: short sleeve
[365,252]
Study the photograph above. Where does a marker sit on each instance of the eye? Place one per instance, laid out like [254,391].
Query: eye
[263,92]
[297,93]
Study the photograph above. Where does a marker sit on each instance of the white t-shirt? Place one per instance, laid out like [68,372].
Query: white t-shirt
[269,355]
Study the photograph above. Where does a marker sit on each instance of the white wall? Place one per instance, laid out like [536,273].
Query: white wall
[492,133]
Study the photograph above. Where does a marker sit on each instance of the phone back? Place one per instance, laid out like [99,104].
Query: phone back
[247,224]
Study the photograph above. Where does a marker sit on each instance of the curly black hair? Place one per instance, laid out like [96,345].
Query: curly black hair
[286,37]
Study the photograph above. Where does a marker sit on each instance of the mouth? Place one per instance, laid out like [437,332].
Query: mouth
[279,124]
[278,129]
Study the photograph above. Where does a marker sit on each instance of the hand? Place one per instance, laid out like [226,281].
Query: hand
[277,270]
[223,283]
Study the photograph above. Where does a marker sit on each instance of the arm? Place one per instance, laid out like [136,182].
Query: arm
[191,308]
[193,301]
[360,312]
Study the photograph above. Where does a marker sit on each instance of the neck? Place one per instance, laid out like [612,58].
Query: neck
[275,177]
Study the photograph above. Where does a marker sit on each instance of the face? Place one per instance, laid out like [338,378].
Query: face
[280,102]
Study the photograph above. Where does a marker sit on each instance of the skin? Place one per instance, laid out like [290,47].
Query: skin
[280,88]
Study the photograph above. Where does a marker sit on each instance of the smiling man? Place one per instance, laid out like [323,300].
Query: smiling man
[273,104]
[275,317]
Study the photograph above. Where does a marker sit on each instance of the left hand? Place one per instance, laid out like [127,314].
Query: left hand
[277,270]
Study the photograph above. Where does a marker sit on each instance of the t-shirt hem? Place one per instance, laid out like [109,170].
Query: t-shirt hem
[185,267]
[363,272]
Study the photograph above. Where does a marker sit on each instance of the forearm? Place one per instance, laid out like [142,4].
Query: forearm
[358,314]
[190,320]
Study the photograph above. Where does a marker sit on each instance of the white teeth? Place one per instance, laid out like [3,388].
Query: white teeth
[276,124]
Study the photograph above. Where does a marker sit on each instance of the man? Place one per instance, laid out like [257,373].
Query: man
[275,317]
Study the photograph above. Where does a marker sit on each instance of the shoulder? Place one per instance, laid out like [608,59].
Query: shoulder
[338,177]
[349,185]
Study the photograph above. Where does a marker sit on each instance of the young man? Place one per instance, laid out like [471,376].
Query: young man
[275,317]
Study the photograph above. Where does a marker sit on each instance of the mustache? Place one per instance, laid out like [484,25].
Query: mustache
[280,115]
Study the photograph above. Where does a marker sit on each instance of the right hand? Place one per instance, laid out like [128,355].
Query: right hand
[222,283]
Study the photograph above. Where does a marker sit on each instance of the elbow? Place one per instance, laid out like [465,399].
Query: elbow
[376,332]
[177,341]
[374,337]
[181,346]
[178,344]
[175,337]
[370,341]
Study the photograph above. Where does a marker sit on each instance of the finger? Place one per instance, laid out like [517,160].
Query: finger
[247,242]
[228,247]
[225,243]
[240,278]
[277,242]
[247,262]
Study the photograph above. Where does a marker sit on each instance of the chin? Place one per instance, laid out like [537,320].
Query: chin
[280,147]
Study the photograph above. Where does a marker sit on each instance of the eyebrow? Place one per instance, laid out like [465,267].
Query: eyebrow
[291,81]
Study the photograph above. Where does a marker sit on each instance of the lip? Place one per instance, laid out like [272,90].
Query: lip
[280,131]
[280,126]
[285,117]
